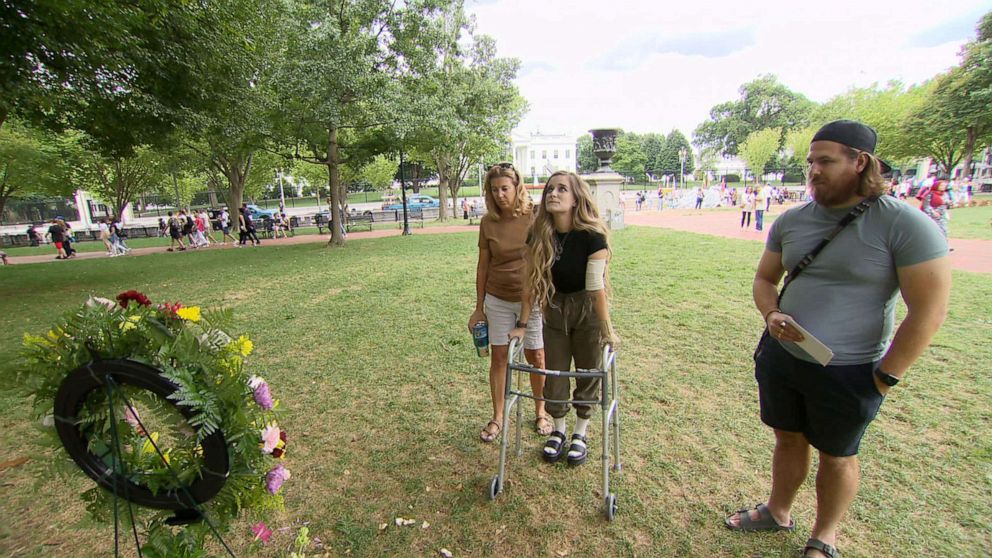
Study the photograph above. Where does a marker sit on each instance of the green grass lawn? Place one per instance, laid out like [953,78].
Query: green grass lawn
[367,350]
[971,222]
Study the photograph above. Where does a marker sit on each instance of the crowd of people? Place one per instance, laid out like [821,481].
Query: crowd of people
[195,229]
[186,229]
[716,195]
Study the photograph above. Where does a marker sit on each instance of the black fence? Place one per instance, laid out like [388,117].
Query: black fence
[24,211]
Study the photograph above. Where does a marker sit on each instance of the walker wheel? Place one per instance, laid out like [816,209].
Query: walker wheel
[610,506]
[494,488]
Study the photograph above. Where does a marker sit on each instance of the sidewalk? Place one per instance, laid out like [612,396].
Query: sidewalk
[968,255]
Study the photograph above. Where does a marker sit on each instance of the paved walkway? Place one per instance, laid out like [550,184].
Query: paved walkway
[968,255]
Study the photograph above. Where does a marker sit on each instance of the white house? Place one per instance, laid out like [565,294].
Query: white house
[537,154]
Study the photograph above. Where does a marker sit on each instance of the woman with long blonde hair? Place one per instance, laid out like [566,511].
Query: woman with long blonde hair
[567,279]
[499,286]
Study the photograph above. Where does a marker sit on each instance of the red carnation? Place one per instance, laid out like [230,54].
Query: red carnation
[279,452]
[170,309]
[125,297]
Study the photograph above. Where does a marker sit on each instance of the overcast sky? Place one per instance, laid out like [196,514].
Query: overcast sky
[650,66]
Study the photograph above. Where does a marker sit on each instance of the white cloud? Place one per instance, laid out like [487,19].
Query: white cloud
[649,66]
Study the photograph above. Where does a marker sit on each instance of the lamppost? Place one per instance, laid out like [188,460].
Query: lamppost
[682,155]
[406,222]
[282,195]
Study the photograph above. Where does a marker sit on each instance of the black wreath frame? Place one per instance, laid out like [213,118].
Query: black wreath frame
[96,375]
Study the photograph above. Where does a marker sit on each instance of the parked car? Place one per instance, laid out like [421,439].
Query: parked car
[257,213]
[415,202]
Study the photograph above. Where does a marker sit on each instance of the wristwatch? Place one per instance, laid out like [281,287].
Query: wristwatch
[522,325]
[887,379]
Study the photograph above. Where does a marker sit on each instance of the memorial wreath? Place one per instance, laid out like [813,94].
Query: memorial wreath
[155,404]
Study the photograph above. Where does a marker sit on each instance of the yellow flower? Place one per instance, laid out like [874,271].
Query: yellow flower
[245,345]
[128,326]
[134,319]
[189,313]
[147,447]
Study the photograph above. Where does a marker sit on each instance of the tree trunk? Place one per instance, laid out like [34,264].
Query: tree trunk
[969,149]
[5,192]
[235,197]
[236,172]
[334,185]
[123,189]
[443,177]
[442,197]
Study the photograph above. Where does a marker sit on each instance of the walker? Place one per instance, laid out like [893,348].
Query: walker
[609,402]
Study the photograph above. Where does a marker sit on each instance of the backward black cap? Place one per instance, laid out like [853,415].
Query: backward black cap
[852,134]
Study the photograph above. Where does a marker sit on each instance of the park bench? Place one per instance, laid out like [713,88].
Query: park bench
[360,220]
[414,218]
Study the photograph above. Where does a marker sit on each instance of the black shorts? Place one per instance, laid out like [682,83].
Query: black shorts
[831,405]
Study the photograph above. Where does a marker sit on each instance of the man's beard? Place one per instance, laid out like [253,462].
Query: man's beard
[834,194]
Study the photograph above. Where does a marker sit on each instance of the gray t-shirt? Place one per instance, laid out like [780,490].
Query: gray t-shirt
[847,297]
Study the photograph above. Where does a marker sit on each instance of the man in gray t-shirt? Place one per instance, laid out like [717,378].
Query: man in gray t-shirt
[846,299]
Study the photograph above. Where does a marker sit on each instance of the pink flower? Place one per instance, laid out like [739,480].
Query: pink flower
[262,532]
[261,392]
[275,478]
[263,397]
[270,438]
[131,417]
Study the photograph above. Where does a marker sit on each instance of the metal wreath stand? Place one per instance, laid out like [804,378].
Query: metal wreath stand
[108,376]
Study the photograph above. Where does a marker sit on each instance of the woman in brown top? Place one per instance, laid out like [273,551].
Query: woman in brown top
[499,285]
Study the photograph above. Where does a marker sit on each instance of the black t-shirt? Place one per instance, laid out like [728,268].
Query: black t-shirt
[58,234]
[568,274]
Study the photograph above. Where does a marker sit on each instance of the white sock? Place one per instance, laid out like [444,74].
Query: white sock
[559,427]
[581,425]
[580,429]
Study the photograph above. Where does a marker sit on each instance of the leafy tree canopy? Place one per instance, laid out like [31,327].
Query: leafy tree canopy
[764,103]
[759,148]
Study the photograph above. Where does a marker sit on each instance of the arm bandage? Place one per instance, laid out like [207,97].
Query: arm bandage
[595,273]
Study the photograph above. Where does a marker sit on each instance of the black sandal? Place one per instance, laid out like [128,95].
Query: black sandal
[556,445]
[581,448]
[816,544]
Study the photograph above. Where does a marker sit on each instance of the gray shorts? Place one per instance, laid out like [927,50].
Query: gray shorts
[502,317]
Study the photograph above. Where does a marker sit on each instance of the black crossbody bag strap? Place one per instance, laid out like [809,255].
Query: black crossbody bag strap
[855,212]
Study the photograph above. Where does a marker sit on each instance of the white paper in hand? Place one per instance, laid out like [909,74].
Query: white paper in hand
[813,347]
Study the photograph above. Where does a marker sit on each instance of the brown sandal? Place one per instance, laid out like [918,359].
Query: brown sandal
[543,425]
[488,435]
